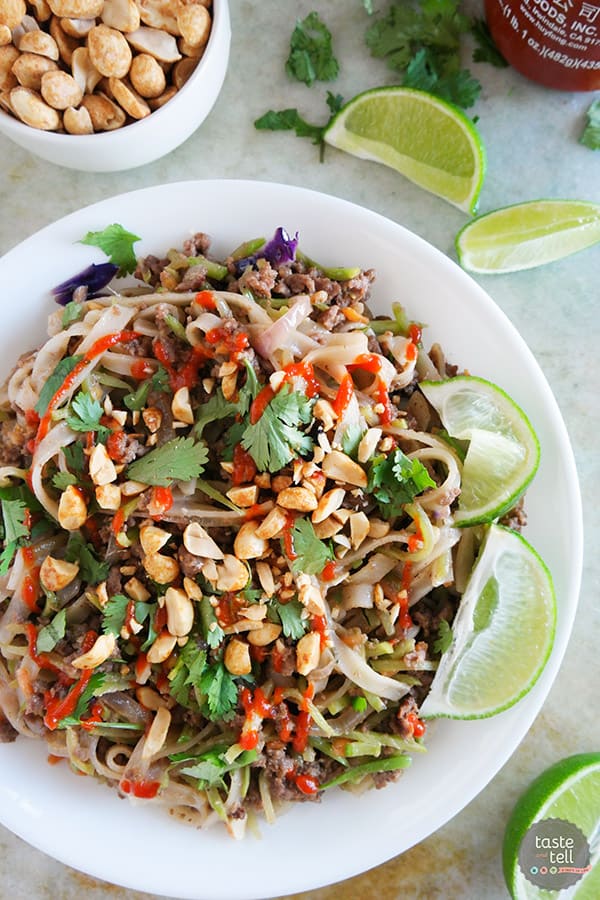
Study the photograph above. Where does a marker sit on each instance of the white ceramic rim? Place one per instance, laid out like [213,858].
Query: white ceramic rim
[84,825]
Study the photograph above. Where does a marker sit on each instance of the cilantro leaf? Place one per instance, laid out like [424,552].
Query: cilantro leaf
[74,457]
[457,87]
[91,569]
[114,613]
[213,633]
[62,480]
[275,439]
[591,133]
[290,120]
[187,673]
[49,636]
[180,459]
[311,54]
[212,766]
[486,50]
[423,39]
[368,5]
[221,692]
[395,480]
[54,382]
[215,409]
[159,382]
[85,415]
[290,616]
[117,243]
[444,638]
[13,515]
[351,438]
[87,695]
[311,553]
[72,312]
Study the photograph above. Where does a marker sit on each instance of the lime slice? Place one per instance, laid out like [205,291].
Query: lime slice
[424,138]
[503,453]
[502,633]
[569,790]
[528,235]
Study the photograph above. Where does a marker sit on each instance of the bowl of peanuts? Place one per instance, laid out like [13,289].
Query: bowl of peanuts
[106,85]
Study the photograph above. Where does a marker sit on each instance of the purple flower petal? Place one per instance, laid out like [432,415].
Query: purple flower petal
[95,277]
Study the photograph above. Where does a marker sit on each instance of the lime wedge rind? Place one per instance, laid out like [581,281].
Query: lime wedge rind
[360,131]
[527,235]
[503,454]
[489,667]
[569,790]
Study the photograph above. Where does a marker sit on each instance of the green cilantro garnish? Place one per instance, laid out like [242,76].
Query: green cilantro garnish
[74,457]
[275,439]
[72,312]
[187,672]
[15,530]
[457,87]
[486,50]
[213,633]
[62,480]
[52,633]
[91,569]
[54,382]
[215,409]
[395,480]
[158,382]
[425,39]
[291,120]
[87,695]
[115,612]
[290,616]
[85,414]
[351,438]
[211,767]
[180,459]
[311,53]
[444,638]
[591,133]
[117,243]
[311,553]
[221,692]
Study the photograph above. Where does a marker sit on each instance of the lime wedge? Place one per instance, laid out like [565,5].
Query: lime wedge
[503,453]
[527,235]
[502,633]
[424,138]
[569,790]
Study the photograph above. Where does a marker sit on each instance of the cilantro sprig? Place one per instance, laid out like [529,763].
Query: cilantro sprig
[312,554]
[591,133]
[289,615]
[49,636]
[311,52]
[275,439]
[117,243]
[90,691]
[15,530]
[115,613]
[180,459]
[92,570]
[291,120]
[194,682]
[85,414]
[395,480]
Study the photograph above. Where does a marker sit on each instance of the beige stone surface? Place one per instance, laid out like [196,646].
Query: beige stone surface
[531,135]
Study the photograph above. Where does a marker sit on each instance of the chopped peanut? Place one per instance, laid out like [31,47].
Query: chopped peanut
[308,652]
[72,509]
[237,657]
[103,648]
[56,574]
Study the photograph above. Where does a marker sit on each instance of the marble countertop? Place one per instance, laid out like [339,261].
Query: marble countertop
[531,137]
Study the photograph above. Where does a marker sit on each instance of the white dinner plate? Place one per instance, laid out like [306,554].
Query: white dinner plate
[84,823]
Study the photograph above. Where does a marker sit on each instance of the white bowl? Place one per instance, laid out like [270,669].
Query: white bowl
[83,823]
[148,139]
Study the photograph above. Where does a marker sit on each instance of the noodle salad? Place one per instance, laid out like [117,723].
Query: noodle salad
[230,562]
